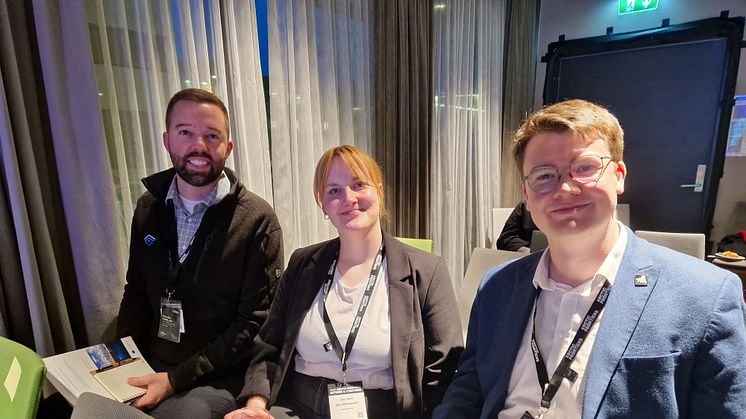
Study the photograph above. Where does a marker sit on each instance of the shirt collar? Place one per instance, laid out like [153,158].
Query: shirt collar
[607,270]
[216,194]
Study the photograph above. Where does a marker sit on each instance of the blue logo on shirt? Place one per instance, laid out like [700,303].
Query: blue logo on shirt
[149,240]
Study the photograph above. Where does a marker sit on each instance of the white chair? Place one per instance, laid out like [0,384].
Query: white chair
[480,262]
[692,244]
[622,214]
[539,241]
[499,216]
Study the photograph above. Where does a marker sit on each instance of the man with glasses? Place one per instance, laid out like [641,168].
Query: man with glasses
[601,324]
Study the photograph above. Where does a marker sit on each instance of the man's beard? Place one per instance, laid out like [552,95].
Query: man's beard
[201,178]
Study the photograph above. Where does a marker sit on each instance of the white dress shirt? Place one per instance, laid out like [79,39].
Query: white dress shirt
[560,310]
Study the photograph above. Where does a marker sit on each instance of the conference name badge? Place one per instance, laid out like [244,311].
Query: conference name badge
[171,324]
[347,401]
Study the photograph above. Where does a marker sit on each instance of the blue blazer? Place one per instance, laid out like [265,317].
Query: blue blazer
[675,348]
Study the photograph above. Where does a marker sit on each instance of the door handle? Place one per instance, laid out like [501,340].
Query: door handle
[699,180]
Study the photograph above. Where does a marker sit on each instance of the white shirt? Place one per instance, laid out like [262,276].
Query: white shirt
[559,311]
[370,360]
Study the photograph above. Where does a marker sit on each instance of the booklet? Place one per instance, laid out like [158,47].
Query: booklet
[102,369]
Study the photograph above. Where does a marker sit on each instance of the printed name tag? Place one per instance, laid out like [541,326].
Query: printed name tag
[171,323]
[347,401]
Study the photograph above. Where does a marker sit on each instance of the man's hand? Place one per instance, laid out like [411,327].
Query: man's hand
[158,389]
[256,408]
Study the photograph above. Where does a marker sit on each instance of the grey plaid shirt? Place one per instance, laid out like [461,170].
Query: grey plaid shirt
[188,223]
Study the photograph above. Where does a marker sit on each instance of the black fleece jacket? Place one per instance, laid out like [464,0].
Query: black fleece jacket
[226,284]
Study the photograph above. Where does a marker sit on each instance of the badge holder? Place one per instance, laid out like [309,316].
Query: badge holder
[171,324]
[347,400]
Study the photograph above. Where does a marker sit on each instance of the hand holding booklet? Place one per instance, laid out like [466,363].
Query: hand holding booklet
[102,369]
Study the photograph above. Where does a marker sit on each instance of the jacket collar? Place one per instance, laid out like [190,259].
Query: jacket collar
[622,314]
[522,298]
[398,267]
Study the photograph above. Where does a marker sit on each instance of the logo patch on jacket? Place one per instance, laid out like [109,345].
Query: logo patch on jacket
[149,240]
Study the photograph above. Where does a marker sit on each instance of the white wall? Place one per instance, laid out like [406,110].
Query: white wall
[586,18]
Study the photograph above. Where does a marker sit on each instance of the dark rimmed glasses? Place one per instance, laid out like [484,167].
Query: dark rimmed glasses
[583,169]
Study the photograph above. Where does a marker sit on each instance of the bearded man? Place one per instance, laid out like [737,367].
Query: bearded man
[205,256]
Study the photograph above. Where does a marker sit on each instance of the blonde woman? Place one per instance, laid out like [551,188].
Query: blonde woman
[310,362]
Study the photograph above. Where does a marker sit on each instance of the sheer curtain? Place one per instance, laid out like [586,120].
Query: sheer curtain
[320,97]
[144,52]
[468,37]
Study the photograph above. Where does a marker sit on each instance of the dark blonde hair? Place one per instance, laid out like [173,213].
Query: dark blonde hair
[358,162]
[579,117]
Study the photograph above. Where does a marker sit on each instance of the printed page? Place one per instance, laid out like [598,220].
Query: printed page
[71,373]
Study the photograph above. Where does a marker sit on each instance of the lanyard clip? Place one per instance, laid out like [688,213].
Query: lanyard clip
[169,293]
[344,368]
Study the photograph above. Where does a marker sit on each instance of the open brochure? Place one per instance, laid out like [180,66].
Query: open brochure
[102,369]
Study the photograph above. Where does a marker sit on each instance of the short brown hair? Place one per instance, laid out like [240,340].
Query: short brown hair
[199,96]
[358,162]
[582,118]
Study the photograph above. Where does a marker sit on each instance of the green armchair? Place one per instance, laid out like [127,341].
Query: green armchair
[21,378]
[422,244]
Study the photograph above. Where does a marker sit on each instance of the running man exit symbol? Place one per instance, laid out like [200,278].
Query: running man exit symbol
[632,6]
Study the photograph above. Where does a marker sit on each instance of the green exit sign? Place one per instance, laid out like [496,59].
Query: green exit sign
[631,6]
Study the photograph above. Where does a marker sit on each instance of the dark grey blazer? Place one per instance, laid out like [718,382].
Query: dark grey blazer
[426,337]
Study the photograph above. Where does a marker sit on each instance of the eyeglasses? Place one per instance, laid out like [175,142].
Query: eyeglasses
[583,169]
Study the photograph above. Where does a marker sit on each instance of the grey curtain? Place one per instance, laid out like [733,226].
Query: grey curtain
[61,269]
[77,136]
[519,82]
[37,280]
[403,102]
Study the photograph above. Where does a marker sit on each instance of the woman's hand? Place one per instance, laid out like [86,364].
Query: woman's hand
[256,408]
[249,413]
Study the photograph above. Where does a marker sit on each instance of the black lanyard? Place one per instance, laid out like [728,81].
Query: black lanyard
[176,261]
[550,387]
[344,355]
